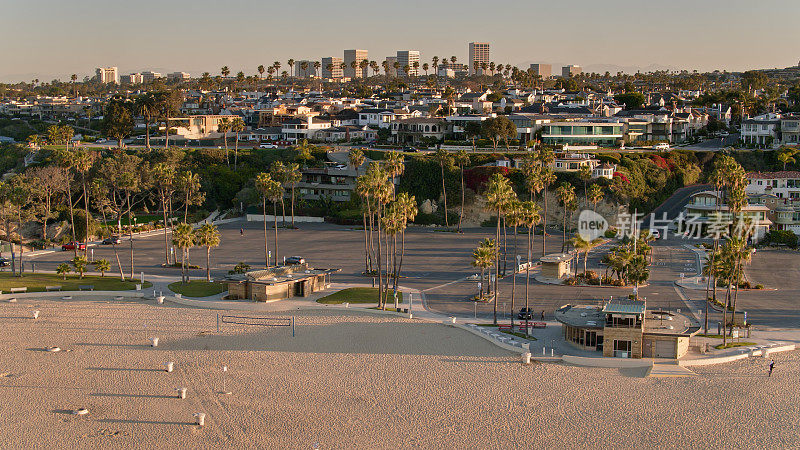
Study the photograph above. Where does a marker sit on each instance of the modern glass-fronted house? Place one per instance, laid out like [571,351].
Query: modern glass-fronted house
[601,134]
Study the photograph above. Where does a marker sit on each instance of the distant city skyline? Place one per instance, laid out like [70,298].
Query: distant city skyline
[198,36]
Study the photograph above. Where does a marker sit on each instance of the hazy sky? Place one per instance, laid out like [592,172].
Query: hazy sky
[48,39]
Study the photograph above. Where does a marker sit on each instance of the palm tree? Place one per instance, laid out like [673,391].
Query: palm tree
[545,157]
[278,173]
[225,71]
[483,257]
[786,155]
[184,239]
[585,175]
[462,159]
[356,158]
[261,70]
[237,126]
[595,195]
[566,196]
[264,185]
[444,158]
[529,217]
[291,178]
[407,207]
[394,166]
[146,106]
[83,161]
[207,236]
[102,266]
[224,126]
[499,195]
[63,269]
[80,263]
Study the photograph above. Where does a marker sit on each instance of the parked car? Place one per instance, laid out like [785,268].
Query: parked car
[5,262]
[112,240]
[655,233]
[525,314]
[73,245]
[266,145]
[295,260]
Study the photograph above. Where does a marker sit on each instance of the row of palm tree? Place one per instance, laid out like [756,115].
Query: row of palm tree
[186,237]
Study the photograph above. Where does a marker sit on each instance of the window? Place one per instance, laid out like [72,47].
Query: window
[622,349]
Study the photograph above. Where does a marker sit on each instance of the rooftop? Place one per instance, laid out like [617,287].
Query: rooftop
[624,306]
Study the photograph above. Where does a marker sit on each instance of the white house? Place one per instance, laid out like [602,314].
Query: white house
[761,130]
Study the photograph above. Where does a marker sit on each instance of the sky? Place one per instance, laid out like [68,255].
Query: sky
[47,39]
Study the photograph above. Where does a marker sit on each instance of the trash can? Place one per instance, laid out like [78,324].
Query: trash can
[154,342]
[181,392]
[36,314]
[160,299]
[200,419]
[526,358]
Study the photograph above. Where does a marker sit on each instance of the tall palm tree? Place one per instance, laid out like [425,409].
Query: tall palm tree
[263,183]
[394,165]
[237,126]
[545,158]
[224,126]
[261,70]
[207,236]
[566,196]
[462,159]
[499,194]
[529,217]
[225,71]
[146,106]
[291,178]
[445,159]
[595,195]
[483,257]
[183,238]
[83,162]
[585,175]
[786,155]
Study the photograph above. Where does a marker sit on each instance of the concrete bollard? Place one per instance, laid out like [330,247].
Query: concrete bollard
[35,315]
[552,352]
[346,305]
[526,358]
[154,342]
[544,351]
[410,315]
[453,320]
[160,299]
[169,366]
[200,419]
[181,392]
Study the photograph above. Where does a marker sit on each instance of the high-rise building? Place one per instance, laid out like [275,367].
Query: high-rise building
[300,72]
[149,76]
[571,71]
[390,60]
[356,56]
[335,65]
[408,58]
[107,75]
[180,76]
[478,53]
[543,70]
[134,78]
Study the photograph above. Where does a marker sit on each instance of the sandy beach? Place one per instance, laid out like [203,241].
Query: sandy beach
[349,379]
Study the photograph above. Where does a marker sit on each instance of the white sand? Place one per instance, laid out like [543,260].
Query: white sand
[350,379]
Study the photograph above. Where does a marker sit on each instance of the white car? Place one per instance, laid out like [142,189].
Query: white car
[656,234]
[267,146]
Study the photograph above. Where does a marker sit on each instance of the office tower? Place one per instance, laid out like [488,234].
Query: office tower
[180,76]
[543,70]
[408,58]
[356,56]
[478,53]
[300,72]
[148,76]
[571,71]
[335,71]
[107,75]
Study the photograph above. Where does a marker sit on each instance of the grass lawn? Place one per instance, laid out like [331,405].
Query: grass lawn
[197,288]
[357,295]
[35,282]
[734,344]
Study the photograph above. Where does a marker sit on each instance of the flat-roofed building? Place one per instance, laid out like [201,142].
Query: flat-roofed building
[107,75]
[571,71]
[478,53]
[601,134]
[407,58]
[332,67]
[148,76]
[355,56]
[278,283]
[180,76]
[543,70]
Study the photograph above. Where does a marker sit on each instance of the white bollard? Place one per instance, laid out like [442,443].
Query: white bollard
[169,366]
[160,299]
[551,352]
[526,358]
[453,320]
[154,342]
[181,392]
[544,351]
[410,315]
[200,419]
[346,305]
[35,314]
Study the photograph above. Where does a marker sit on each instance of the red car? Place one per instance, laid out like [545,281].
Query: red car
[73,245]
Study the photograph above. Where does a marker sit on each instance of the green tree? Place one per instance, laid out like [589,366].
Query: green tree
[146,106]
[63,269]
[631,100]
[207,235]
[183,237]
[117,120]
[79,263]
[483,257]
[102,266]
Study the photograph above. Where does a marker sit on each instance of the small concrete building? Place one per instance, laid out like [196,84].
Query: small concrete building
[626,329]
[278,283]
[556,265]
